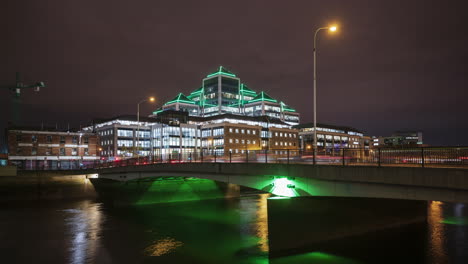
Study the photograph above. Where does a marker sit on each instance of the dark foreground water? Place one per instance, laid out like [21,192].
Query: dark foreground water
[210,231]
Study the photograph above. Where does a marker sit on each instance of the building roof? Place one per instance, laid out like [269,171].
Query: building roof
[223,71]
[124,117]
[262,96]
[286,108]
[250,118]
[180,98]
[311,125]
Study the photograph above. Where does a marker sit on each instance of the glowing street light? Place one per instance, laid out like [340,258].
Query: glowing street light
[151,100]
[331,29]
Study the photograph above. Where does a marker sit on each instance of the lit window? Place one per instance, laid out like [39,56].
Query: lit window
[243,131]
[253,142]
[248,141]
[276,143]
[237,131]
[237,141]
[254,132]
[248,131]
[243,141]
[230,130]
[276,134]
[230,140]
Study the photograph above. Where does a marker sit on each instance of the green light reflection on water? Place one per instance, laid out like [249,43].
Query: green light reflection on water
[313,257]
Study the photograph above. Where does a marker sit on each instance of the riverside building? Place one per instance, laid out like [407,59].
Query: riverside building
[37,148]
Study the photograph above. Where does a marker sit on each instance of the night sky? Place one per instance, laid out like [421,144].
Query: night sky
[393,65]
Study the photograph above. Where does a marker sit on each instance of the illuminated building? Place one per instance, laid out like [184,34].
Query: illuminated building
[117,136]
[237,134]
[332,138]
[222,92]
[31,148]
[400,139]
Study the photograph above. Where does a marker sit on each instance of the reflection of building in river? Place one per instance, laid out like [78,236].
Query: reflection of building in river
[84,228]
[436,232]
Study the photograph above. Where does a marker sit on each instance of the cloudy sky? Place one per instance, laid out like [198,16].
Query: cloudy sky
[393,65]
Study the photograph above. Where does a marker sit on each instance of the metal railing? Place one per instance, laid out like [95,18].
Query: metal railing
[402,157]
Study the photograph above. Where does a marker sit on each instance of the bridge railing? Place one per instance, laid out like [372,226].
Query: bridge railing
[402,157]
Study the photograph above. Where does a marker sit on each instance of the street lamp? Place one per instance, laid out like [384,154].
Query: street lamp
[150,99]
[331,29]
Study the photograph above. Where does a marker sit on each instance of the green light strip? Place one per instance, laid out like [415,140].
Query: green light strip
[220,73]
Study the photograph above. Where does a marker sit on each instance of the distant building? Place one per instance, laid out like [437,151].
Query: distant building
[50,149]
[331,138]
[400,139]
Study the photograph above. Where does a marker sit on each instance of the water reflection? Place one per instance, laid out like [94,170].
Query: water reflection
[436,232]
[162,247]
[83,226]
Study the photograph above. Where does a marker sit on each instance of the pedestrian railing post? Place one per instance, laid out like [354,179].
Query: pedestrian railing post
[378,157]
[343,156]
[422,157]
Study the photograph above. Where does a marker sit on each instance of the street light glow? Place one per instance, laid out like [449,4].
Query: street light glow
[333,28]
[151,99]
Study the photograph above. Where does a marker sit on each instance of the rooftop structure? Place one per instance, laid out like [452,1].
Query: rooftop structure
[222,92]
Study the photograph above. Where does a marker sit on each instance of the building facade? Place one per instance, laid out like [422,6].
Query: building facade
[222,92]
[48,149]
[331,139]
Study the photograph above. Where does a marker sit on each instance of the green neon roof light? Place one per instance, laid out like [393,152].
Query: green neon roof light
[262,96]
[180,98]
[222,71]
[159,110]
[245,89]
[286,108]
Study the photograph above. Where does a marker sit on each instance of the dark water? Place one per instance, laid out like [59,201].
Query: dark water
[210,231]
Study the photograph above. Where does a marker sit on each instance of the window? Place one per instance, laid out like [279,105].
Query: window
[243,131]
[19,150]
[243,141]
[230,130]
[237,130]
[34,139]
[248,141]
[86,151]
[254,132]
[49,139]
[62,139]
[281,134]
[253,142]
[230,140]
[248,131]
[74,151]
[74,140]
[276,134]
[48,151]
[237,141]
[86,140]
[34,151]
[18,138]
[62,151]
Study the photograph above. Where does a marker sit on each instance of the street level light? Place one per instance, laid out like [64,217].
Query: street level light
[331,29]
[150,99]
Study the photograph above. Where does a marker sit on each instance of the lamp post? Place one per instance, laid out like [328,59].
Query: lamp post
[151,99]
[331,29]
